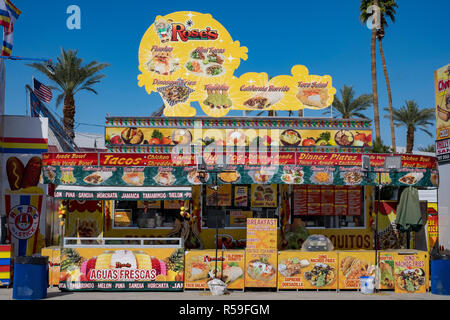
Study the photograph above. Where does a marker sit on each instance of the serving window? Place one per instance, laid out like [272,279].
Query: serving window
[146,214]
[329,206]
[230,205]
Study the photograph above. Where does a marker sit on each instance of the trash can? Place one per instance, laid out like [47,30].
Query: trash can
[440,275]
[30,278]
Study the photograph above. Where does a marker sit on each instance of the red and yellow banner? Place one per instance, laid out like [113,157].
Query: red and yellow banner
[201,266]
[122,269]
[307,270]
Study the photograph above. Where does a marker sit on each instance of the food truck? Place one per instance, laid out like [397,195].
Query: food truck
[181,198]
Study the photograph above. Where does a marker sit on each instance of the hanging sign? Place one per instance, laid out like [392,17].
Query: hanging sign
[190,57]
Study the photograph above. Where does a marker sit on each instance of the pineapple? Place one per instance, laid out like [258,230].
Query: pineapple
[70,258]
[176,261]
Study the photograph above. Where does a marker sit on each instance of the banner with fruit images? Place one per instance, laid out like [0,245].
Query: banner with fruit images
[122,269]
[190,57]
[135,136]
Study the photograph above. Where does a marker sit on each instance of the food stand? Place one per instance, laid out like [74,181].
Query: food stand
[274,169]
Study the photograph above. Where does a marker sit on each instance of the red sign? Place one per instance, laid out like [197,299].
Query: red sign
[70,159]
[235,158]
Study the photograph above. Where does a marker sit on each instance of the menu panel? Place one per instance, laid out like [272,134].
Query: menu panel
[327,200]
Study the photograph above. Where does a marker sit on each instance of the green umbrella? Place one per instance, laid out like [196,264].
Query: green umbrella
[409,215]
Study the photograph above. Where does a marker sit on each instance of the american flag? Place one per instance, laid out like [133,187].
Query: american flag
[41,91]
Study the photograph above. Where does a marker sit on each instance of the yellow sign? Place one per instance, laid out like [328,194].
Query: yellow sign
[353,265]
[386,265]
[190,57]
[307,270]
[442,94]
[122,269]
[261,253]
[411,272]
[201,266]
[432,225]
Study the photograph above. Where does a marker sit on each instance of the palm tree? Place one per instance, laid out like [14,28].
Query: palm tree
[380,147]
[413,118]
[71,77]
[387,9]
[364,17]
[431,148]
[349,106]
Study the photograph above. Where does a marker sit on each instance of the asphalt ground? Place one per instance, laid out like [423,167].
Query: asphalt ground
[205,295]
[246,305]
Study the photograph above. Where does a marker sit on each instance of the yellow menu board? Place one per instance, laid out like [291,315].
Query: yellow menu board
[411,272]
[264,196]
[307,270]
[190,57]
[201,265]
[442,95]
[261,253]
[386,265]
[353,265]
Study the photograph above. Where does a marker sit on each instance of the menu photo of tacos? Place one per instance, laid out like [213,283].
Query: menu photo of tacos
[293,176]
[353,268]
[204,62]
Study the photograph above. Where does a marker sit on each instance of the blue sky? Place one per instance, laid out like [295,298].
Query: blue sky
[325,36]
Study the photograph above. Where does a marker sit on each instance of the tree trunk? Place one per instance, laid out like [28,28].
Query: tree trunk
[409,140]
[388,85]
[69,115]
[376,114]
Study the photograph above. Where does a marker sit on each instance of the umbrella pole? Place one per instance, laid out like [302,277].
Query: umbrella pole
[376,227]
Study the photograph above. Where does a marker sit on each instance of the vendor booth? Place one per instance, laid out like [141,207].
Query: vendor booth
[181,198]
